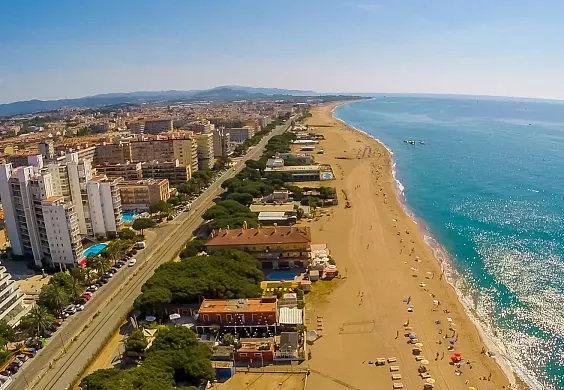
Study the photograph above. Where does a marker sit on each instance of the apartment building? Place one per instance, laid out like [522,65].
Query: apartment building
[141,194]
[202,127]
[183,149]
[222,146]
[273,247]
[62,230]
[118,153]
[12,306]
[205,150]
[264,120]
[136,127]
[238,135]
[104,206]
[39,221]
[158,126]
[175,172]
[129,171]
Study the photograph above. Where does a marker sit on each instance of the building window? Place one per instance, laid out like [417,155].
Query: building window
[218,317]
[257,354]
[243,354]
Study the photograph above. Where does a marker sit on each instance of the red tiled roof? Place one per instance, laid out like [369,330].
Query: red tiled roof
[263,235]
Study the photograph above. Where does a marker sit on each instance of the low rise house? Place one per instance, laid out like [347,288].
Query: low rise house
[259,351]
[274,247]
[298,172]
[238,314]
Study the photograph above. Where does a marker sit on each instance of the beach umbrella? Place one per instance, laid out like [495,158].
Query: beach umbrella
[454,358]
[452,342]
[430,380]
[424,362]
[457,354]
[412,336]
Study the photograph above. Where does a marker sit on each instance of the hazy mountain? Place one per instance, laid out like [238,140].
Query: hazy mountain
[217,93]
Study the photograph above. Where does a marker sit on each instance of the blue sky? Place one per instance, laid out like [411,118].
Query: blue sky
[59,48]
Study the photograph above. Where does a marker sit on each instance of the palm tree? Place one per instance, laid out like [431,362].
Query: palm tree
[98,264]
[54,298]
[37,321]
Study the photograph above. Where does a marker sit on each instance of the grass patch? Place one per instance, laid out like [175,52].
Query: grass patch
[321,290]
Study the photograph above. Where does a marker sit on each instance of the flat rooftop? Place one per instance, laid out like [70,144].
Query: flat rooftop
[244,305]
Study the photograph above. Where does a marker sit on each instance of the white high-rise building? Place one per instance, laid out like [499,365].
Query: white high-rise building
[61,226]
[12,306]
[104,206]
[29,194]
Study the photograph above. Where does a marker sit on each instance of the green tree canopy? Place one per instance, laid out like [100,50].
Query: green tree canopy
[54,298]
[176,356]
[161,207]
[143,223]
[136,341]
[194,247]
[224,274]
[37,321]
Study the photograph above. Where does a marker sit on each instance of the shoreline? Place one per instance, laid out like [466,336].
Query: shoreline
[439,254]
[516,374]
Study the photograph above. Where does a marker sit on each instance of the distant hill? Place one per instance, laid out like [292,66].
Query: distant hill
[228,92]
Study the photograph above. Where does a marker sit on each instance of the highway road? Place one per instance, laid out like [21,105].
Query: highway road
[72,347]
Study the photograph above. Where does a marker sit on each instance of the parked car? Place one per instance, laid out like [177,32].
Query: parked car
[114,270]
[70,309]
[103,280]
[79,307]
[22,358]
[132,262]
[92,288]
[86,297]
[108,274]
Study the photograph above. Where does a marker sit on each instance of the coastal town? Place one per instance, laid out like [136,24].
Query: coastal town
[264,277]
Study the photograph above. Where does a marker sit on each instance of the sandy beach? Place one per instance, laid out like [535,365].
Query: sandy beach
[387,268]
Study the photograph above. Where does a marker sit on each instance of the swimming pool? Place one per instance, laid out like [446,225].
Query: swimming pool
[288,276]
[95,249]
[128,216]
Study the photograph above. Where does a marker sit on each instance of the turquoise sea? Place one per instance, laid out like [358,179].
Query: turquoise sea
[487,187]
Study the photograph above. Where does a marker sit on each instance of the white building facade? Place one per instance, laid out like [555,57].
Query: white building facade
[104,206]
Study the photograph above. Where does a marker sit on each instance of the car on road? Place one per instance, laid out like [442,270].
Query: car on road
[132,262]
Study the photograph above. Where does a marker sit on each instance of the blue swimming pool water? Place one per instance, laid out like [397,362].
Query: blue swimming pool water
[95,249]
[280,276]
[128,216]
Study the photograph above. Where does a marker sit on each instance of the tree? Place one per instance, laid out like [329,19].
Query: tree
[7,333]
[143,223]
[37,321]
[98,264]
[54,298]
[126,234]
[161,207]
[194,247]
[225,274]
[243,198]
[136,341]
[228,339]
[117,248]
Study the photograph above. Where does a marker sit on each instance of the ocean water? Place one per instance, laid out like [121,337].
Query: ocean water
[488,185]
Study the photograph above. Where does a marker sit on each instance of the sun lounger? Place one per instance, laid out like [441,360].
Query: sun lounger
[425,375]
[394,368]
[392,359]
[380,362]
[419,358]
[396,377]
[398,385]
